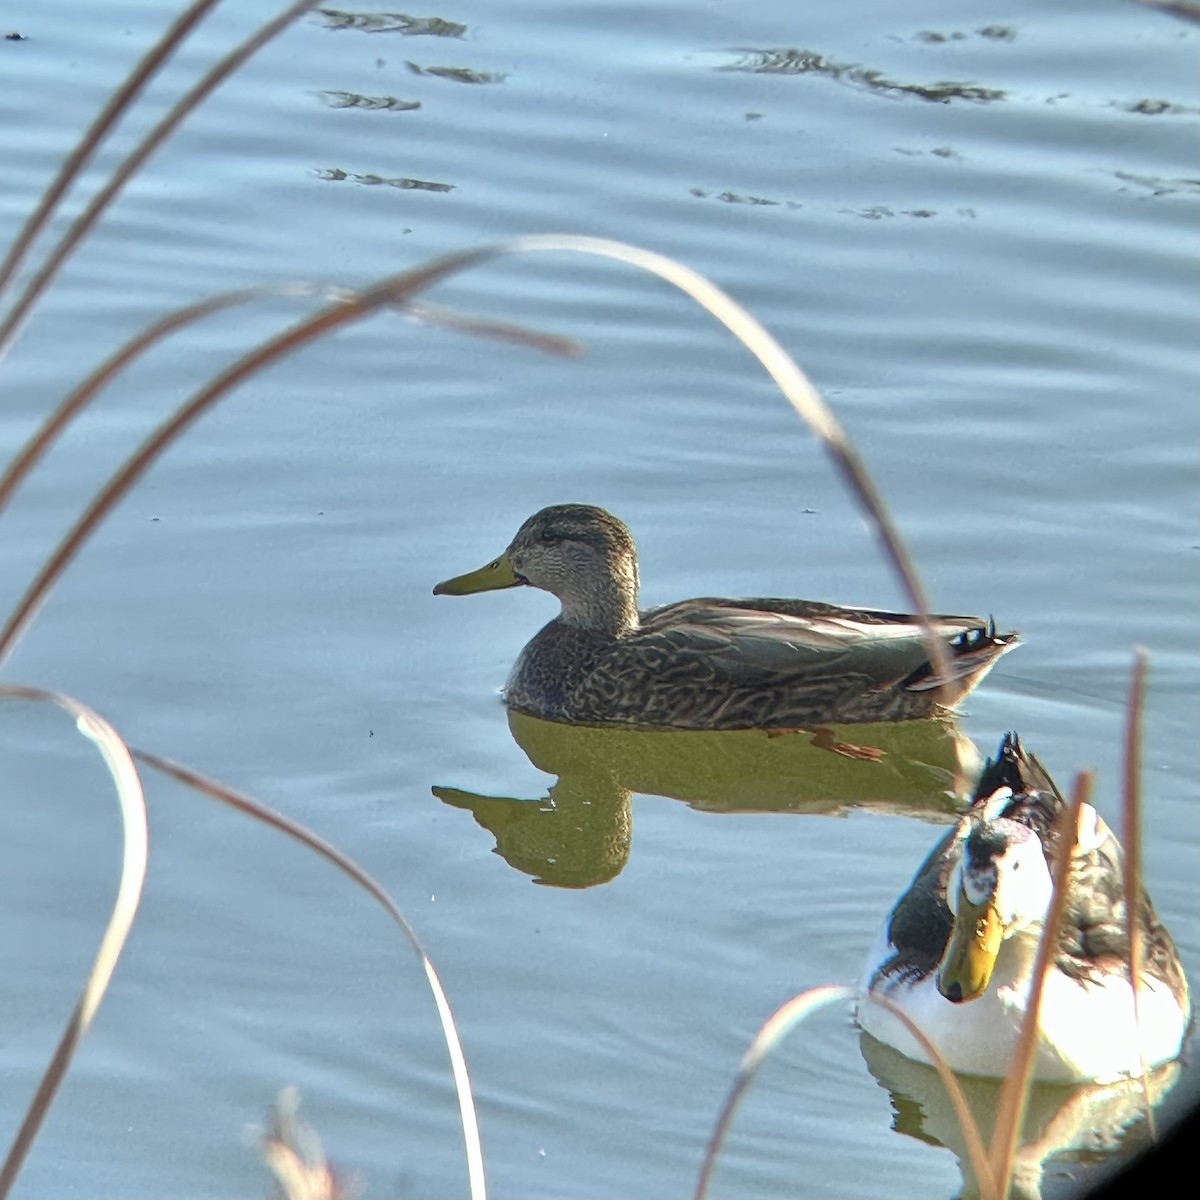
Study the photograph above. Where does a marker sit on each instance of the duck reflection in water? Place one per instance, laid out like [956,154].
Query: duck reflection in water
[580,834]
[1073,1135]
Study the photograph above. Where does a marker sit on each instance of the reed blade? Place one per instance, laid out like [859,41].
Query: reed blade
[1014,1094]
[135,833]
[1131,837]
[82,225]
[314,842]
[780,1023]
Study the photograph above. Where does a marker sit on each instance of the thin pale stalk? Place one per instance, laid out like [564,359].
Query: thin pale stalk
[1014,1093]
[133,875]
[502,331]
[129,167]
[260,812]
[78,399]
[1131,836]
[781,1022]
[795,386]
[390,291]
[127,92]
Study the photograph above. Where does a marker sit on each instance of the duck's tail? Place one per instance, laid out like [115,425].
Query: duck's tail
[1016,769]
[972,654]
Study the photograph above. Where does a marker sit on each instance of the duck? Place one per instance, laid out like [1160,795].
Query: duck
[711,663]
[956,953]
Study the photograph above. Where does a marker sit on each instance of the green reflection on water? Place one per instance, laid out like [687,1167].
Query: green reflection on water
[579,834]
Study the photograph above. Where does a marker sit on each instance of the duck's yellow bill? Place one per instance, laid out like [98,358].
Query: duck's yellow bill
[970,957]
[497,574]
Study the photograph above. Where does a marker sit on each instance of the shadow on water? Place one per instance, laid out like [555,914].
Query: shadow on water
[579,834]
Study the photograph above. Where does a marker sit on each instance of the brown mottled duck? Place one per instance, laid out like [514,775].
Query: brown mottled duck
[711,663]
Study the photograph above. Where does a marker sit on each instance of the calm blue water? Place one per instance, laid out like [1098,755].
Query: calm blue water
[996,289]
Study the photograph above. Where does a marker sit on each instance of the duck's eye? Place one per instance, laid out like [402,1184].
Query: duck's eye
[549,537]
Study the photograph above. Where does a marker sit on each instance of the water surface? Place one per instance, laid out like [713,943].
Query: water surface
[974,228]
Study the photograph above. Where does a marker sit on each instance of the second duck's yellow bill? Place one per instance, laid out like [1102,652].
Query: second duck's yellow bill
[970,957]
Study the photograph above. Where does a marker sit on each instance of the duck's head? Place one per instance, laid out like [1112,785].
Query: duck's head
[999,886]
[577,552]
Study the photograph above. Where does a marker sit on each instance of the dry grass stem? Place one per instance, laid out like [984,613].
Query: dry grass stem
[401,288]
[83,224]
[85,392]
[127,92]
[501,331]
[1131,837]
[79,397]
[390,291]
[787,1017]
[115,755]
[329,852]
[791,381]
[1010,1111]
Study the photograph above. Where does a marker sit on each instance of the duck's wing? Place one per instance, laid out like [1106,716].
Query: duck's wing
[766,642]
[1094,940]
[920,924]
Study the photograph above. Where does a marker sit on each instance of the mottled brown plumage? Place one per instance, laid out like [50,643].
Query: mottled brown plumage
[711,663]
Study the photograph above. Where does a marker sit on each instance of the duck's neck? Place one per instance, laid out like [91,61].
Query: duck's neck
[1018,954]
[605,605]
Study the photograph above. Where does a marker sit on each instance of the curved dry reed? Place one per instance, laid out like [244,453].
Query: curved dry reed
[1131,869]
[389,291]
[398,289]
[127,92]
[260,812]
[84,393]
[82,224]
[1010,1109]
[128,786]
[781,1022]
[52,428]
